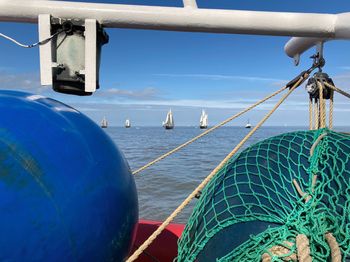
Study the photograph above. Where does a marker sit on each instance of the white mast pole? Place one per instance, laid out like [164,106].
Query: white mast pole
[316,27]
[175,18]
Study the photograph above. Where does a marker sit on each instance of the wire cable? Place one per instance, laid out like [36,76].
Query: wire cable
[35,44]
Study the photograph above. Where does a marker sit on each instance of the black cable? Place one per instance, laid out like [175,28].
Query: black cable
[35,44]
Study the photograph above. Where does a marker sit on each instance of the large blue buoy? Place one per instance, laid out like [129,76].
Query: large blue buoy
[66,191]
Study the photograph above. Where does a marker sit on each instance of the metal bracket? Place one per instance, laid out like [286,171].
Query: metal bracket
[319,50]
[44,22]
[318,57]
[296,59]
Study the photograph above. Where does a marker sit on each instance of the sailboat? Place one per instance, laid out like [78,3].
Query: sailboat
[104,123]
[203,122]
[169,121]
[248,125]
[127,123]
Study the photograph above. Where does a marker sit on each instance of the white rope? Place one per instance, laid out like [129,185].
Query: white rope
[171,217]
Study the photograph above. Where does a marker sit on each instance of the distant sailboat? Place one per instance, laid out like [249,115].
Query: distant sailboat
[104,123]
[127,123]
[203,122]
[169,121]
[248,125]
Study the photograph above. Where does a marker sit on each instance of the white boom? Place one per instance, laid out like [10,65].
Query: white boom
[317,27]
[341,29]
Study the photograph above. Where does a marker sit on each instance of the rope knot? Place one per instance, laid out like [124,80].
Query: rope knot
[286,251]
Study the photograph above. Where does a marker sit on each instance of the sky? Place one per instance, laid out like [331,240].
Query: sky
[144,73]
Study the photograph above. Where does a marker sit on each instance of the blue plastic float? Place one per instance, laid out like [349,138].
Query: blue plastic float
[66,191]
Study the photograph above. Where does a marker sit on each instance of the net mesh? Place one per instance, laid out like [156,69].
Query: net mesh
[252,205]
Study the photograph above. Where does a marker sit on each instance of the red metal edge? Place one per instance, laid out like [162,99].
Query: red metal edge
[164,247]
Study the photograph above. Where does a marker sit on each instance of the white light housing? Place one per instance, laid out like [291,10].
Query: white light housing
[70,61]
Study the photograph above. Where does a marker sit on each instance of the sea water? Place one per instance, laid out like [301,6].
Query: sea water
[163,186]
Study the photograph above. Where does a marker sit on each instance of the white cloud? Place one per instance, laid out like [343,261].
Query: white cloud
[223,104]
[143,94]
[224,77]
[21,81]
[30,82]
[150,96]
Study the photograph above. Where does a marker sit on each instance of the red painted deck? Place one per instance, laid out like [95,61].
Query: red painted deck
[164,248]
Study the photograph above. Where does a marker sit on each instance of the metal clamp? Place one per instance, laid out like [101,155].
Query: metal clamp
[318,59]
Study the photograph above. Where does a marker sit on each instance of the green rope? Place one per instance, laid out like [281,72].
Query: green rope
[257,186]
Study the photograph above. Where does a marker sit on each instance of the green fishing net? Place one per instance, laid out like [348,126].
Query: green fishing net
[252,205]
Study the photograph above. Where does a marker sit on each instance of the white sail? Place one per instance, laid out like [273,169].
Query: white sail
[169,120]
[127,123]
[104,122]
[248,125]
[203,122]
